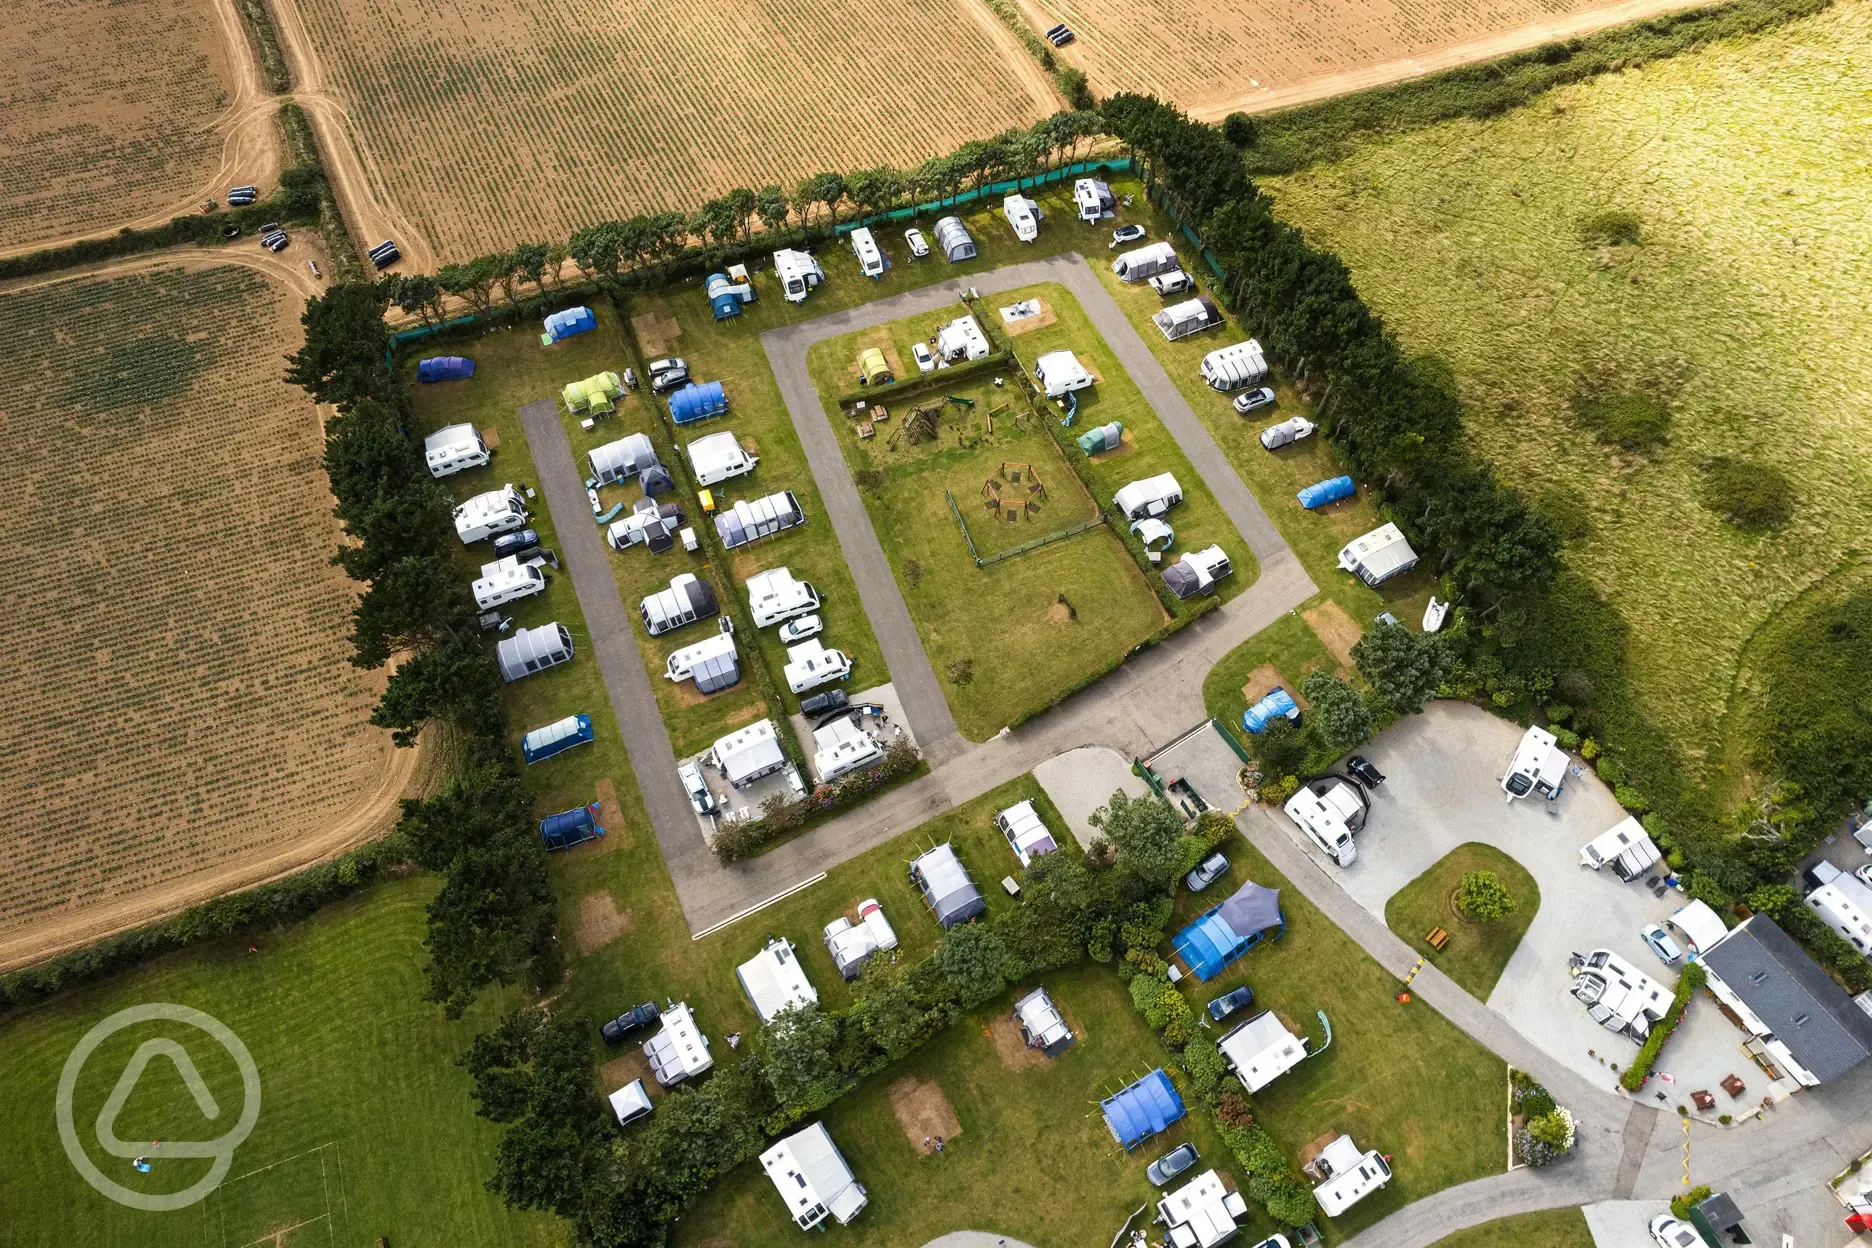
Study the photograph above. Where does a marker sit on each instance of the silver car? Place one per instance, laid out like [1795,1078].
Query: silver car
[700,796]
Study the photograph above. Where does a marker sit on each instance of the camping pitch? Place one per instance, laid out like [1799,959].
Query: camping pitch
[1224,933]
[1142,1110]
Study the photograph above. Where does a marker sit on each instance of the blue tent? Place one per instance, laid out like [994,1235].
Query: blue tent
[444,368]
[1142,1110]
[1277,703]
[1329,491]
[1225,932]
[697,401]
[570,827]
[562,325]
[556,738]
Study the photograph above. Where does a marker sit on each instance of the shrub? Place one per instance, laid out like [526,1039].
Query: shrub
[1631,799]
[1632,421]
[1589,749]
[1566,738]
[870,479]
[1613,227]
[1693,978]
[1240,130]
[1610,770]
[1531,1099]
[1483,897]
[913,572]
[1276,794]
[1682,1203]
[1232,1111]
[1559,713]
[961,671]
[1747,493]
[1204,1064]
[1073,85]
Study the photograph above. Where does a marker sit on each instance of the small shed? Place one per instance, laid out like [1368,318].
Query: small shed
[774,980]
[1331,490]
[873,368]
[622,459]
[1143,1109]
[1104,438]
[563,325]
[556,738]
[1224,933]
[1378,556]
[631,1102]
[1276,705]
[951,896]
[570,827]
[699,400]
[749,522]
[444,368]
[679,1050]
[1152,496]
[1041,1024]
[749,753]
[533,650]
[953,237]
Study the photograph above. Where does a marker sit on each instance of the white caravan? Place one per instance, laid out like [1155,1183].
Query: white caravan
[719,457]
[507,580]
[774,596]
[484,515]
[455,449]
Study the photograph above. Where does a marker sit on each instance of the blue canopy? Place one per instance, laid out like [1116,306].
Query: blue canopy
[444,368]
[697,401]
[1330,490]
[561,325]
[1142,1110]
[1225,932]
[1276,704]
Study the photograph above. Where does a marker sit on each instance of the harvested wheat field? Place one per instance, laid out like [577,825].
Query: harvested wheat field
[181,719]
[1681,248]
[121,113]
[490,123]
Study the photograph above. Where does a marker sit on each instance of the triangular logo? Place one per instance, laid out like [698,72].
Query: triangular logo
[126,1082]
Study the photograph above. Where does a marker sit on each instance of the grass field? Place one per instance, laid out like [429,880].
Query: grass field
[1550,1228]
[1739,309]
[171,737]
[366,1127]
[1477,953]
[492,124]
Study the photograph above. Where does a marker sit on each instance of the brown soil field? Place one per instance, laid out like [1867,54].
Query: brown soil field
[479,125]
[1216,58]
[126,113]
[182,718]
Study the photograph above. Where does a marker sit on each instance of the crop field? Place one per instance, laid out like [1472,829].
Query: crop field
[494,123]
[110,113]
[171,734]
[1738,311]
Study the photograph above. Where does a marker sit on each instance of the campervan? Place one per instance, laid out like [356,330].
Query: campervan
[1539,767]
[810,665]
[1348,1175]
[870,257]
[1329,811]
[484,515]
[507,580]
[454,449]
[719,457]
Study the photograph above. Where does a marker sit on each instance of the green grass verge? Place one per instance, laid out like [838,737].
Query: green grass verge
[1477,953]
[1550,1228]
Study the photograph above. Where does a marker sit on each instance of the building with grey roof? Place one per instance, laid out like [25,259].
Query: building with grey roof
[1798,1019]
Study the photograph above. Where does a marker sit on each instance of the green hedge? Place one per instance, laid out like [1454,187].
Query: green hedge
[941,381]
[779,819]
[258,20]
[1693,978]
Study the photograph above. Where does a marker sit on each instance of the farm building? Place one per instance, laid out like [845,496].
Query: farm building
[1348,1176]
[810,664]
[749,753]
[679,1050]
[873,368]
[749,522]
[1024,215]
[698,401]
[728,291]
[850,944]
[811,1176]
[649,524]
[713,664]
[1026,834]
[1627,849]
[1224,933]
[1094,199]
[1277,704]
[1152,496]
[444,368]
[951,896]
[1198,572]
[953,237]
[1331,490]
[1201,1213]
[1060,372]
[1232,367]
[556,738]
[774,595]
[719,457]
[1192,316]
[630,1103]
[1141,1110]
[1539,766]
[961,339]
[452,449]
[570,827]
[622,459]
[1041,1024]
[774,980]
[566,324]
[798,273]
[841,747]
[1144,263]
[1261,1050]
[688,599]
[1378,556]
[870,255]
[533,650]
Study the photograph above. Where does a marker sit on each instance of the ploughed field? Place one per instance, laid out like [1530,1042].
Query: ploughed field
[181,719]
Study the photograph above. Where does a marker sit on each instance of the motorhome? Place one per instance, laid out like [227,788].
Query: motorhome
[507,580]
[774,596]
[1329,811]
[484,515]
[1538,768]
[453,449]
[798,272]
[810,665]
[870,257]
[719,457]
[1348,1175]
[1618,996]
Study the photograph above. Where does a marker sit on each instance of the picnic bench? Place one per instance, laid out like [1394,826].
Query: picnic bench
[1437,939]
[1704,1099]
[1733,1085]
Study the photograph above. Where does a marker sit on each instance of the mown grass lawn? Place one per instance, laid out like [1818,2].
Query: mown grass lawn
[1477,953]
[352,1061]
[1550,1228]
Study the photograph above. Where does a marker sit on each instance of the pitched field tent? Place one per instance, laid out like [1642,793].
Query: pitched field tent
[1142,1110]
[1330,490]
[594,394]
[1277,703]
[622,459]
[698,401]
[1225,932]
[570,827]
[1104,438]
[953,237]
[563,325]
[748,522]
[444,368]
[946,887]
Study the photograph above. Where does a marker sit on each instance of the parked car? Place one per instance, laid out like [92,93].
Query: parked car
[1171,1164]
[1229,1002]
[1363,771]
[629,1021]
[925,362]
[1126,234]
[799,628]
[1670,1231]
[1661,944]
[1865,875]
[1277,1240]
[668,374]
[820,703]
[1254,400]
[1175,282]
[516,543]
[697,788]
[919,247]
[1207,872]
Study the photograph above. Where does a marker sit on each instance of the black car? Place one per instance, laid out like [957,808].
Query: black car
[621,1026]
[1229,1002]
[1364,772]
[1171,1164]
[820,703]
[668,374]
[515,543]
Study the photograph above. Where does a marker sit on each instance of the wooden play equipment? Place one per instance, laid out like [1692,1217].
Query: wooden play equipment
[1015,490]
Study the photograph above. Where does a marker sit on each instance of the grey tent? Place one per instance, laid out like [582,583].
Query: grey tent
[953,237]
[688,599]
[1197,572]
[946,887]
[533,650]
[619,460]
[655,480]
[717,672]
[749,522]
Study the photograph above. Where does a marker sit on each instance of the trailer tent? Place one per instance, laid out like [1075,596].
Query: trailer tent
[556,738]
[563,325]
[1330,490]
[1103,438]
[749,522]
[533,650]
[953,237]
[699,400]
[1223,933]
[1142,1110]
[570,827]
[1276,704]
[444,368]
[939,875]
[622,459]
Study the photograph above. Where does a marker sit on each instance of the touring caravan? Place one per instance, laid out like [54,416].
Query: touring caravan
[455,449]
[719,457]
[507,580]
[713,664]
[961,339]
[1144,263]
[870,257]
[484,515]
[774,596]
[1628,849]
[1060,372]
[810,665]
[798,273]
[1232,367]
[1024,215]
[1094,199]
[1378,556]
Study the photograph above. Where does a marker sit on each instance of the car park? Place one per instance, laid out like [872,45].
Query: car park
[1126,234]
[1670,1231]
[1661,944]
[1207,872]
[629,1021]
[1171,1164]
[1363,771]
[1229,1002]
[1254,400]
[700,797]
[925,362]
[800,627]
[668,374]
[919,246]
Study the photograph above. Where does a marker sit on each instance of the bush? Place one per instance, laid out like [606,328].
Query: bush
[1633,422]
[1280,747]
[961,671]
[1073,85]
[780,817]
[1614,227]
[1747,493]
[1483,898]
[1240,130]
[1204,1064]
[869,479]
[1682,1203]
[1338,714]
[1693,978]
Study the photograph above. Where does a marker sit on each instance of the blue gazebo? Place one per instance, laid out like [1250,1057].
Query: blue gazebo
[1140,1111]
[1225,932]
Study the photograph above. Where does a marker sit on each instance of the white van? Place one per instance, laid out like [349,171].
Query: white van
[484,515]
[774,596]
[455,449]
[810,665]
[719,457]
[870,258]
[1326,818]
[507,580]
